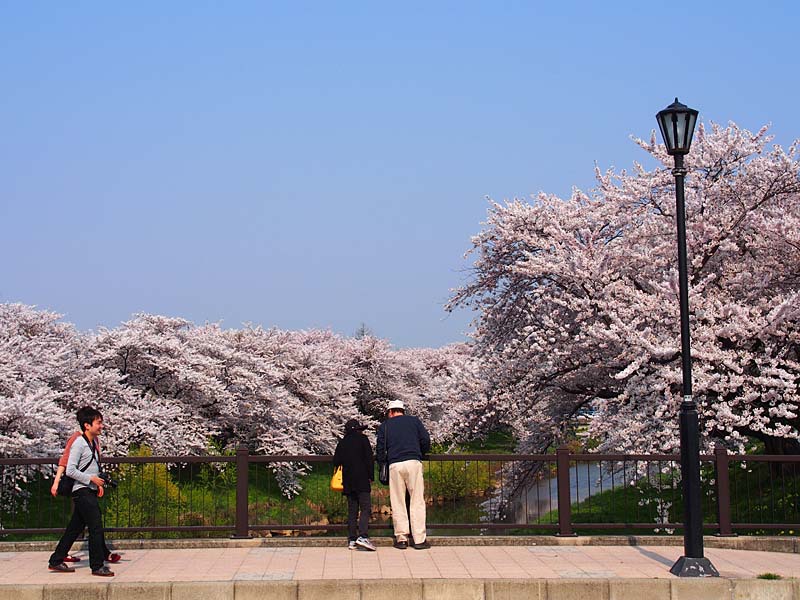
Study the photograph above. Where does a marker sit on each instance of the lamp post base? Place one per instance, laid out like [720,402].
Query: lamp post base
[687,566]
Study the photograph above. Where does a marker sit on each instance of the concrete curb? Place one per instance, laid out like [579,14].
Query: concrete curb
[789,545]
[139,591]
[21,592]
[421,589]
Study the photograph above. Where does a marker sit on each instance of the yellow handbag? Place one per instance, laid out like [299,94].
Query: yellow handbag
[336,480]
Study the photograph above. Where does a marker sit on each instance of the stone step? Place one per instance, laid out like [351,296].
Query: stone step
[419,589]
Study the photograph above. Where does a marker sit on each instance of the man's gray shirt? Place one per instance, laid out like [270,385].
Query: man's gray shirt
[79,455]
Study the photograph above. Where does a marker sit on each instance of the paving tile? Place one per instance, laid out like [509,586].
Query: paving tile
[249,564]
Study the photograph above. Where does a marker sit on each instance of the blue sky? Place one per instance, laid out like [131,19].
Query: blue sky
[325,164]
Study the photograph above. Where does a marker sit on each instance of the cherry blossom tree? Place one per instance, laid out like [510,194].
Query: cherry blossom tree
[282,393]
[438,385]
[36,352]
[577,301]
[449,391]
[179,388]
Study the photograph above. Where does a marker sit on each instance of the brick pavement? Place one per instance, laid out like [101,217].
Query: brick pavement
[440,562]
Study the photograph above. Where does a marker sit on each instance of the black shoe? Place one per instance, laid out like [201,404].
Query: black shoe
[103,572]
[423,546]
[401,545]
[61,568]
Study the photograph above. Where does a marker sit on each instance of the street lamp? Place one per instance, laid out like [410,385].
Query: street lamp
[677,123]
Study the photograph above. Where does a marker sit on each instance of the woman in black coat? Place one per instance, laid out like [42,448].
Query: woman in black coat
[354,455]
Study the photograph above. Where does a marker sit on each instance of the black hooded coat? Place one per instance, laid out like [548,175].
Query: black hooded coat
[354,454]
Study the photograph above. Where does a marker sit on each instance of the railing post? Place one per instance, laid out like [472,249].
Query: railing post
[722,470]
[242,464]
[564,502]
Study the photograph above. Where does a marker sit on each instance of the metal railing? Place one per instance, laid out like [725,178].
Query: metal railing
[561,493]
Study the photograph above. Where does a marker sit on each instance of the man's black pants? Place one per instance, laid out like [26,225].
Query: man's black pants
[85,513]
[358,510]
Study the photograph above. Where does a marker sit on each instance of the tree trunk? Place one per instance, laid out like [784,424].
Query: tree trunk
[783,446]
[780,445]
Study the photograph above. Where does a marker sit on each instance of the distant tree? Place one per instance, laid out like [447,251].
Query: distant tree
[577,301]
[363,331]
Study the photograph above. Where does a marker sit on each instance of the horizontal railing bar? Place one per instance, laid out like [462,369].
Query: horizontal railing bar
[167,460]
[494,457]
[168,528]
[342,526]
[306,527]
[764,457]
[651,525]
[36,531]
[124,460]
[279,458]
[289,458]
[430,457]
[765,525]
[490,526]
[433,457]
[628,457]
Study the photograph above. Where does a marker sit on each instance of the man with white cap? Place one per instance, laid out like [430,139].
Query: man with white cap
[402,442]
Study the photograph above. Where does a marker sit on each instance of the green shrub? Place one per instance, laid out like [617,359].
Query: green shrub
[454,480]
[146,496]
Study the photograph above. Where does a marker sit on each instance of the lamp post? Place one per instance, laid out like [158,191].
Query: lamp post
[677,123]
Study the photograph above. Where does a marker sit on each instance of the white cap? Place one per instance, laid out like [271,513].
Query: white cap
[396,404]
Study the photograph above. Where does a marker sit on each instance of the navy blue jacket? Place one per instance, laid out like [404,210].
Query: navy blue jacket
[407,439]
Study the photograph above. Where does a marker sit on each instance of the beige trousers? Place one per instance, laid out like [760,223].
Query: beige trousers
[407,475]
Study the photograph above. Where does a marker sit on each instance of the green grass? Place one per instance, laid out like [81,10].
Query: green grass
[757,495]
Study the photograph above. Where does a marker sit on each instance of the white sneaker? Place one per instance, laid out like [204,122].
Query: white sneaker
[365,544]
[351,545]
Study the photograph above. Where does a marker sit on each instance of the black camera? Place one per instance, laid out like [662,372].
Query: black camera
[109,481]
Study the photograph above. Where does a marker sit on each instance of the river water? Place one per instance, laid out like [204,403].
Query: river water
[585,479]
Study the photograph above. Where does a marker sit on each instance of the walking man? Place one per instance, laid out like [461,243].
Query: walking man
[402,442]
[112,557]
[83,466]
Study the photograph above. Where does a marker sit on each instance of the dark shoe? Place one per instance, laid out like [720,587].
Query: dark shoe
[61,568]
[423,546]
[402,545]
[114,557]
[103,572]
[70,558]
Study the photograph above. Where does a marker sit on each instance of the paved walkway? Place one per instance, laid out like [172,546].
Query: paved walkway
[440,562]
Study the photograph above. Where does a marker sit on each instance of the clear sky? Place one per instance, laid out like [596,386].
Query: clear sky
[325,164]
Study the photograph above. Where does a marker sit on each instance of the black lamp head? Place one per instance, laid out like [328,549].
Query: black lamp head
[677,123]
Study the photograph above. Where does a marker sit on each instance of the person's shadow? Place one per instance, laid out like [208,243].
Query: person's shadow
[654,556]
